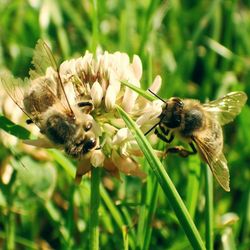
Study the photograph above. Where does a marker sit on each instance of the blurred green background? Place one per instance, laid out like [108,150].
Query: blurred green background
[201,49]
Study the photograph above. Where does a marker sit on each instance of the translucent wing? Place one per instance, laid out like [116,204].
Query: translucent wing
[15,90]
[32,100]
[216,161]
[227,107]
[43,59]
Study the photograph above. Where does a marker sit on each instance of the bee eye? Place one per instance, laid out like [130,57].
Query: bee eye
[181,104]
[178,102]
[89,144]
[88,126]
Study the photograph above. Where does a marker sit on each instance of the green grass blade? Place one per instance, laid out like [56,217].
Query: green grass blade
[143,213]
[151,212]
[209,208]
[57,219]
[193,184]
[112,208]
[165,182]
[94,208]
[63,161]
[115,213]
[10,231]
[14,129]
[140,91]
[27,244]
[125,237]
[147,25]
[95,25]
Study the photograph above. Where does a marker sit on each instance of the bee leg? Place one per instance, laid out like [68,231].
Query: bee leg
[182,151]
[29,121]
[84,104]
[191,144]
[164,131]
[162,137]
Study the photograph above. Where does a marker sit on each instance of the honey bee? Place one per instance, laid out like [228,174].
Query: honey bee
[200,125]
[45,102]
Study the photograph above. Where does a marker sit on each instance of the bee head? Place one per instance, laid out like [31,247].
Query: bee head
[172,113]
[82,142]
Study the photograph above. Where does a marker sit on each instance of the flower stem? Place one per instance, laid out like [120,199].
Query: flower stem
[94,207]
[10,236]
[209,208]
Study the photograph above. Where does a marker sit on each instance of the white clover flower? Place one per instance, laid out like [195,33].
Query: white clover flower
[93,88]
[98,80]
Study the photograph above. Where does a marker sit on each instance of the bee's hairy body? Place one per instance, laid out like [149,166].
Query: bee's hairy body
[190,121]
[192,118]
[55,108]
[73,135]
[69,132]
[200,125]
[58,129]
[186,118]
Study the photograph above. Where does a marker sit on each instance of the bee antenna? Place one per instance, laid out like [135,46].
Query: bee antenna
[151,128]
[156,95]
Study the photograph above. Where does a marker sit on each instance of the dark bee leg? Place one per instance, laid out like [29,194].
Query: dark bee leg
[84,104]
[163,137]
[87,107]
[164,131]
[182,151]
[29,121]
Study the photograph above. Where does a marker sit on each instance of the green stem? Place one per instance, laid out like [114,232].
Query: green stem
[94,207]
[209,208]
[95,29]
[151,212]
[27,244]
[10,235]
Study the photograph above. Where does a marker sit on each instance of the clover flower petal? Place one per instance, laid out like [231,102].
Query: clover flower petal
[96,94]
[156,85]
[137,67]
[110,98]
[97,158]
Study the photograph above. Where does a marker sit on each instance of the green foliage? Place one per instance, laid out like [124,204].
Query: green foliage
[14,129]
[201,50]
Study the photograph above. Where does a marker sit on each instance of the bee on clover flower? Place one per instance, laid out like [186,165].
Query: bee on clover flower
[73,105]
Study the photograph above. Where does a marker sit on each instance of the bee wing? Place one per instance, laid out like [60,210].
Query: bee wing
[14,87]
[42,60]
[217,163]
[227,107]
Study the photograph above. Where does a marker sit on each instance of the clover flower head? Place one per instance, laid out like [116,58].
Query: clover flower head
[93,87]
